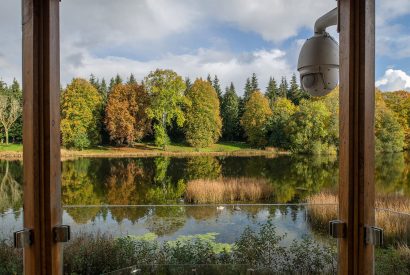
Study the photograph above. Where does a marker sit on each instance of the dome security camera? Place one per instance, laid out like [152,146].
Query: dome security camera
[318,62]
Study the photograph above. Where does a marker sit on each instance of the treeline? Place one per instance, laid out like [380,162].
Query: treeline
[165,108]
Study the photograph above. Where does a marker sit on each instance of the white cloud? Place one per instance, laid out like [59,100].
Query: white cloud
[394,80]
[387,10]
[274,20]
[227,66]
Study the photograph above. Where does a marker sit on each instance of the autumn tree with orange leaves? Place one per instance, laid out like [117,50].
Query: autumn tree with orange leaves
[126,117]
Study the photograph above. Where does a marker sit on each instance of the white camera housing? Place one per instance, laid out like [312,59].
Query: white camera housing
[318,62]
[318,65]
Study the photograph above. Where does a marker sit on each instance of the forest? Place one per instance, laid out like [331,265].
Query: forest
[166,108]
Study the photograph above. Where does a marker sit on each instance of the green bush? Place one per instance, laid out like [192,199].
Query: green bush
[11,259]
[393,260]
[261,250]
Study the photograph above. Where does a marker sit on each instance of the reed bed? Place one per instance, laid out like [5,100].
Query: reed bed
[228,190]
[393,215]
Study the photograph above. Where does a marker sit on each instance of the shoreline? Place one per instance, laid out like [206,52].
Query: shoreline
[123,152]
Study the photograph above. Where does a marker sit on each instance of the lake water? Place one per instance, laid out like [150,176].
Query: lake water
[111,188]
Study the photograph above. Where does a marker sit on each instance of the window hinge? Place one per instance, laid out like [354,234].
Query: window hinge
[62,233]
[337,229]
[373,235]
[23,238]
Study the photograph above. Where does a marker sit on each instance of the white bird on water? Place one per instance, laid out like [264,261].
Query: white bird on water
[220,208]
[236,208]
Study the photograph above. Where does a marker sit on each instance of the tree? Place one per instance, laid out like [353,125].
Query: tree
[203,122]
[399,103]
[309,128]
[283,87]
[16,129]
[282,112]
[390,134]
[254,83]
[295,93]
[112,84]
[216,85]
[126,118]
[255,119]
[247,90]
[209,79]
[94,81]
[272,92]
[188,84]
[103,89]
[10,111]
[230,113]
[131,79]
[81,106]
[166,90]
[118,79]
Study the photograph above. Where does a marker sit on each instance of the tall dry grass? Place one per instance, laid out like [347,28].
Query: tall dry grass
[228,190]
[393,214]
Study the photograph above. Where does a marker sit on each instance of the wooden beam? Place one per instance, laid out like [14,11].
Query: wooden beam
[41,134]
[357,105]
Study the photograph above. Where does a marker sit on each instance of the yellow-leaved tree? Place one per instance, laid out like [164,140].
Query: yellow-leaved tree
[203,124]
[255,119]
[81,106]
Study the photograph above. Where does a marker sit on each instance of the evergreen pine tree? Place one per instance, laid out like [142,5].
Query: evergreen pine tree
[248,90]
[131,79]
[94,81]
[103,89]
[112,84]
[272,91]
[217,88]
[296,94]
[118,79]
[15,88]
[209,79]
[188,84]
[283,87]
[254,83]
[294,91]
[230,114]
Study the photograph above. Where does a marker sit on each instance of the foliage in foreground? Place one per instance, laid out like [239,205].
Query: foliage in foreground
[261,250]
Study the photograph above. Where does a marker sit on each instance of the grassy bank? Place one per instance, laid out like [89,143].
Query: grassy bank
[14,151]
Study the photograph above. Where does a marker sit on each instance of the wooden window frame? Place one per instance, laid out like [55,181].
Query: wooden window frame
[41,130]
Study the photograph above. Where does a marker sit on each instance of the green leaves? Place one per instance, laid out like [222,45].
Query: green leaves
[166,90]
[230,114]
[81,106]
[255,119]
[203,122]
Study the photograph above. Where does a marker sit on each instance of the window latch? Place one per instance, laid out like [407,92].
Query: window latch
[337,229]
[23,238]
[373,235]
[61,233]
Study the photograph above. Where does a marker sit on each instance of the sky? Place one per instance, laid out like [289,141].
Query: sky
[229,38]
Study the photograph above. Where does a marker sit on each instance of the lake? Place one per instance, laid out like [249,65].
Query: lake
[101,194]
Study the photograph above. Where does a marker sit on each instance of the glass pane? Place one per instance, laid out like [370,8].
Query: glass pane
[11,216]
[278,238]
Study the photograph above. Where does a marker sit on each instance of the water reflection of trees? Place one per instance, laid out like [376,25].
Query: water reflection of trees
[393,174]
[293,177]
[163,180]
[11,189]
[78,188]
